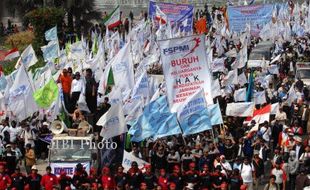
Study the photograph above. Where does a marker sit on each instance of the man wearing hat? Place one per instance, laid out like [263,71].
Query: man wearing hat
[293,164]
[80,176]
[49,180]
[18,179]
[191,176]
[34,179]
[299,148]
[10,159]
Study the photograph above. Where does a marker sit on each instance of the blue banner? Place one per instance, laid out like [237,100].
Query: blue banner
[255,15]
[179,15]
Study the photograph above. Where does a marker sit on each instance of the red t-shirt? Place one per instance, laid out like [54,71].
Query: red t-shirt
[48,181]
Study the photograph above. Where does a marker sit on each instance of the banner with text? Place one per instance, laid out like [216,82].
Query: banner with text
[185,69]
[180,15]
[255,15]
[69,168]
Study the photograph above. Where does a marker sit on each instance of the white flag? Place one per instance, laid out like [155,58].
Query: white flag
[240,95]
[242,79]
[122,67]
[218,65]
[273,69]
[112,122]
[244,109]
[136,109]
[231,77]
[274,108]
[128,158]
[216,88]
[260,97]
[21,101]
[141,87]
[28,57]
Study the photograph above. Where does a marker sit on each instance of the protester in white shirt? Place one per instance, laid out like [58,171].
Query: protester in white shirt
[266,132]
[281,116]
[77,88]
[226,167]
[280,175]
[14,131]
[247,173]
[29,136]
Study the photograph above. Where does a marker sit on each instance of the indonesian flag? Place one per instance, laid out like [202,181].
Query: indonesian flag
[160,16]
[260,116]
[13,53]
[114,19]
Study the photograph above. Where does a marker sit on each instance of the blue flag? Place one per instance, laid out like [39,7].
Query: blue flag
[51,34]
[50,51]
[215,114]
[168,126]
[196,122]
[156,121]
[250,87]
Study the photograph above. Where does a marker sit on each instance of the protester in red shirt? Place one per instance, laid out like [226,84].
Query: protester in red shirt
[49,179]
[107,179]
[163,179]
[5,180]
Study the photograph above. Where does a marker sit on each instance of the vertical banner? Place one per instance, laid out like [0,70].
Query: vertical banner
[255,15]
[185,69]
[180,15]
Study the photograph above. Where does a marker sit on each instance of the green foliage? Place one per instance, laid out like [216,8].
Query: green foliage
[43,19]
[19,40]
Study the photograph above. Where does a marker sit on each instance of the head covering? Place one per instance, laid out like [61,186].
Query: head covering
[45,123]
[8,145]
[298,139]
[34,167]
[192,165]
[222,157]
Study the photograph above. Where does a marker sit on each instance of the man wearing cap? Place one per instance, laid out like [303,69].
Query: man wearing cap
[293,165]
[148,177]
[49,179]
[10,159]
[18,179]
[34,179]
[5,180]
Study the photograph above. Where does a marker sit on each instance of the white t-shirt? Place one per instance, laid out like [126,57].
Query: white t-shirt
[77,86]
[266,134]
[279,175]
[14,132]
[247,173]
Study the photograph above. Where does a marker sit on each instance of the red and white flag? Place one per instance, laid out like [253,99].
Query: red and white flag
[260,116]
[160,16]
[13,53]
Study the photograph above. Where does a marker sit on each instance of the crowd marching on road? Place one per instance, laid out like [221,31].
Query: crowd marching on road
[265,148]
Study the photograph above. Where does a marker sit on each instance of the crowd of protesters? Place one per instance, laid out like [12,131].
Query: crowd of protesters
[230,156]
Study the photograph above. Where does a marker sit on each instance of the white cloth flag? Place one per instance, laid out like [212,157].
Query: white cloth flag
[242,79]
[128,158]
[240,95]
[21,101]
[276,59]
[122,67]
[218,65]
[104,80]
[28,57]
[216,88]
[242,57]
[141,87]
[273,69]
[231,78]
[244,109]
[112,122]
[260,97]
[274,108]
[136,110]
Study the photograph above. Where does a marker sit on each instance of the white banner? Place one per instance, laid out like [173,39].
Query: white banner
[240,95]
[244,109]
[185,69]
[128,158]
[69,168]
[218,65]
[260,97]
